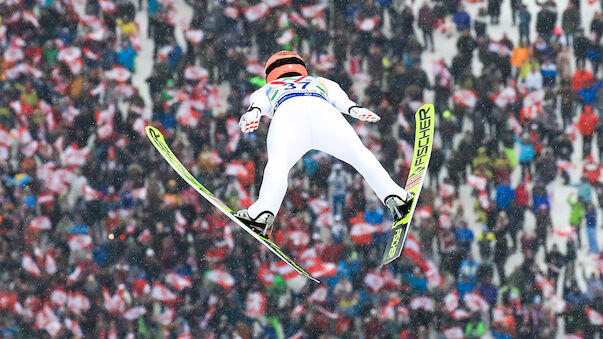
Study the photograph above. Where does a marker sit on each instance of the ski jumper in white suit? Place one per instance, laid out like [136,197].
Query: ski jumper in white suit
[306,115]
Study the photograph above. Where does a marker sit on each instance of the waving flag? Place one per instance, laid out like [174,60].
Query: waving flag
[256,12]
[319,295]
[40,224]
[362,233]
[74,327]
[475,302]
[313,11]
[78,242]
[465,98]
[256,304]
[323,269]
[161,293]
[135,313]
[265,275]
[424,303]
[29,265]
[77,302]
[374,281]
[195,73]
[58,297]
[221,277]
[284,270]
[113,304]
[177,281]
[48,321]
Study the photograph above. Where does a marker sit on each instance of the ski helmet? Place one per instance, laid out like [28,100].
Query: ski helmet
[284,63]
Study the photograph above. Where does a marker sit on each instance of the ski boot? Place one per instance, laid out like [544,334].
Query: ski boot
[262,224]
[399,208]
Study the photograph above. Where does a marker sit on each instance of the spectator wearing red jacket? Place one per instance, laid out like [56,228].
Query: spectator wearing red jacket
[580,78]
[591,169]
[586,126]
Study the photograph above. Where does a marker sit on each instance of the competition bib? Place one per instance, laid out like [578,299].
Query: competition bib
[282,89]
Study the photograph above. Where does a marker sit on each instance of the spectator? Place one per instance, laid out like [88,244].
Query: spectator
[586,126]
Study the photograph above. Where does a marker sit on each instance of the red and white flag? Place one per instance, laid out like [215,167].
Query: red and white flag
[451,301]
[545,285]
[475,302]
[265,275]
[256,12]
[48,321]
[29,265]
[594,317]
[77,302]
[162,293]
[134,313]
[424,303]
[118,74]
[322,269]
[533,98]
[50,265]
[166,317]
[195,73]
[40,224]
[113,304]
[367,24]
[565,231]
[374,281]
[477,182]
[298,19]
[78,242]
[505,96]
[298,238]
[177,281]
[221,277]
[312,11]
[256,304]
[277,3]
[90,193]
[284,270]
[453,333]
[231,12]
[465,98]
[319,295]
[58,297]
[286,37]
[75,156]
[362,233]
[74,327]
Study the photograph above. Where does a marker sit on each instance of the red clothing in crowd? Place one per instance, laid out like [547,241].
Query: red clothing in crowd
[522,196]
[592,169]
[580,78]
[587,122]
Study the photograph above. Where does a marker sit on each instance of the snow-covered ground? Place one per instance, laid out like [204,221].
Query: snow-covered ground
[445,46]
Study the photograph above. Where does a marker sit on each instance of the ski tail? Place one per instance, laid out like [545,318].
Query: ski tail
[159,142]
[424,130]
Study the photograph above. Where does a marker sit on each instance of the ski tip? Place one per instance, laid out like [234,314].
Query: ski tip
[429,108]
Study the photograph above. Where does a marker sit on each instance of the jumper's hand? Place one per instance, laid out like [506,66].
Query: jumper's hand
[363,114]
[250,121]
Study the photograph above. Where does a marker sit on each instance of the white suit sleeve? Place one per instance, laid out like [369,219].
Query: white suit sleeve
[259,100]
[337,97]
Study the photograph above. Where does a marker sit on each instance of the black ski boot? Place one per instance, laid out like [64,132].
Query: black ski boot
[399,208]
[261,225]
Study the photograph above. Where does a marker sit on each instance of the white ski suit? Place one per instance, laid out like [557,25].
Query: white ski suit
[306,115]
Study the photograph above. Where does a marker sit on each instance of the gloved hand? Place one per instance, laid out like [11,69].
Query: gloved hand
[250,121]
[363,114]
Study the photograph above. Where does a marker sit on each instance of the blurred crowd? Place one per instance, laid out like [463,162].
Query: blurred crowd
[99,238]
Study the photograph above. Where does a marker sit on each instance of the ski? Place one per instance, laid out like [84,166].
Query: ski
[424,120]
[159,142]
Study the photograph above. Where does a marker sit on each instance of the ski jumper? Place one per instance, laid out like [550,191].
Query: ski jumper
[306,115]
